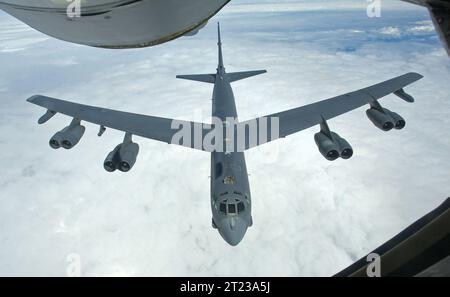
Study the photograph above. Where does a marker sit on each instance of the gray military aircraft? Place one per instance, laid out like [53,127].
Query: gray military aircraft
[440,14]
[230,191]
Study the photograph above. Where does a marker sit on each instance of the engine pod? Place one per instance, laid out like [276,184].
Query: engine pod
[71,136]
[128,155]
[381,120]
[112,161]
[399,122]
[345,149]
[327,147]
[55,141]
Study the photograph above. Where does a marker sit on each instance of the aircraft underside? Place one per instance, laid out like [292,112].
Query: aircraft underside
[115,23]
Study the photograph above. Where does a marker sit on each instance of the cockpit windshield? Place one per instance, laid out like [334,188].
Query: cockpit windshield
[231,208]
[240,207]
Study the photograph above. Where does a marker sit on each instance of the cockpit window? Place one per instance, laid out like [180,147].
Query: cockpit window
[230,208]
[241,207]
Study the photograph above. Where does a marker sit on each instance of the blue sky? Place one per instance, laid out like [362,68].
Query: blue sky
[311,217]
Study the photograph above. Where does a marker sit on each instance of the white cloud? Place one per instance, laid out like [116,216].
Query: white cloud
[311,217]
[422,27]
[9,43]
[390,31]
[266,6]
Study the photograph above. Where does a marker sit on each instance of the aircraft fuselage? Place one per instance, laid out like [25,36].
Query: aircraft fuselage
[230,190]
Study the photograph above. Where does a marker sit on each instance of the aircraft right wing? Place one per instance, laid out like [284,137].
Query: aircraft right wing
[301,118]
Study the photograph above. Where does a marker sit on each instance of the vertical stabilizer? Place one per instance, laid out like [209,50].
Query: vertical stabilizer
[219,44]
[211,78]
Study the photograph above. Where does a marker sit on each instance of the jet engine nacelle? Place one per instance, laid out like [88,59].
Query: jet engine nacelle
[399,122]
[128,154]
[123,157]
[386,119]
[112,160]
[334,147]
[346,150]
[67,137]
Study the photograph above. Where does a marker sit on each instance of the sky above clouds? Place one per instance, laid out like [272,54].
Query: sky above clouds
[311,217]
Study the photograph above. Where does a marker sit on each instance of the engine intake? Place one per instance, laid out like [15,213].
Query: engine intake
[327,147]
[386,120]
[346,148]
[399,122]
[68,137]
[128,154]
[123,157]
[112,160]
[334,147]
[380,119]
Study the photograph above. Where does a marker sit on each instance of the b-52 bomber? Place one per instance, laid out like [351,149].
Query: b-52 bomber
[226,138]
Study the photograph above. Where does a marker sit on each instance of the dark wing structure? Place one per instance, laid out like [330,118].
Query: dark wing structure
[422,249]
[301,118]
[440,14]
[269,128]
[156,128]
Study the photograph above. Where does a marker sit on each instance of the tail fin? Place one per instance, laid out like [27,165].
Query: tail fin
[219,44]
[235,76]
[207,78]
[211,78]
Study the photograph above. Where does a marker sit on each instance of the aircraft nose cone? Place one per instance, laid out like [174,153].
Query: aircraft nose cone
[233,230]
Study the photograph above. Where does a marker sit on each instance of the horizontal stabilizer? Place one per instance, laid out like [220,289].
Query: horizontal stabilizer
[207,78]
[235,76]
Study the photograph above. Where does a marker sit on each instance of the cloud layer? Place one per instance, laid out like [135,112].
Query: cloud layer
[311,217]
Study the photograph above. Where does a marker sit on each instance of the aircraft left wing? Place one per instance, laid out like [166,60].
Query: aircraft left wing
[301,118]
[156,128]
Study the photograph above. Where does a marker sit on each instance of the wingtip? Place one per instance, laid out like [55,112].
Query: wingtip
[417,75]
[32,99]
